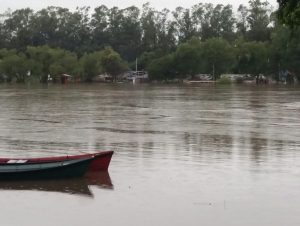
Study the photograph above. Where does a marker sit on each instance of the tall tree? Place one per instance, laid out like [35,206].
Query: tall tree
[149,33]
[289,12]
[115,17]
[166,31]
[46,27]
[14,66]
[162,68]
[227,23]
[217,56]
[184,24]
[285,50]
[5,33]
[99,25]
[129,38]
[259,20]
[187,58]
[252,58]
[19,28]
[242,25]
[112,63]
[215,21]
[78,31]
[90,66]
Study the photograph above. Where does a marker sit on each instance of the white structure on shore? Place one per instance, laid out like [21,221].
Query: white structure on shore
[135,76]
[235,77]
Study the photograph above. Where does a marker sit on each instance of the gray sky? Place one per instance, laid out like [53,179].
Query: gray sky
[71,4]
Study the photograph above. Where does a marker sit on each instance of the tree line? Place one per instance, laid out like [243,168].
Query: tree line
[205,38]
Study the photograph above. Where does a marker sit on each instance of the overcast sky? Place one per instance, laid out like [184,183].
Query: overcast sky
[71,4]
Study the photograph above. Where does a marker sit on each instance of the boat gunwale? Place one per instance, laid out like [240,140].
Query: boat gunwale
[56,158]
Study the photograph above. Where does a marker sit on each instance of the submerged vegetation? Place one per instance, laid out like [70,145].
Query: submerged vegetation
[203,39]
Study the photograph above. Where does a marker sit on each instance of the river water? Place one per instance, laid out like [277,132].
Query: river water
[184,155]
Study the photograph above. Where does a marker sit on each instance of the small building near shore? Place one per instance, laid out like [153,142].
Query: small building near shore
[288,77]
[65,78]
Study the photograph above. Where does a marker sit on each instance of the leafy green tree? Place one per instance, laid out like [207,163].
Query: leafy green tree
[203,14]
[128,40]
[115,17]
[41,59]
[184,24]
[166,31]
[90,66]
[19,29]
[289,12]
[291,57]
[259,21]
[46,27]
[5,32]
[149,32]
[227,23]
[99,25]
[285,50]
[64,62]
[252,57]
[105,61]
[187,58]
[162,68]
[214,21]
[77,31]
[158,31]
[112,63]
[145,59]
[279,43]
[218,57]
[242,25]
[46,61]
[199,17]
[14,66]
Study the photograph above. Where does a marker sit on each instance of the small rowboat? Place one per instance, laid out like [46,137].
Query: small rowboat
[22,170]
[99,161]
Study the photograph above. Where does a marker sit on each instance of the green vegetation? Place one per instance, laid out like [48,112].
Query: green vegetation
[224,81]
[289,12]
[179,44]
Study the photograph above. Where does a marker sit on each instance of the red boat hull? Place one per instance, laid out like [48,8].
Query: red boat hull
[100,162]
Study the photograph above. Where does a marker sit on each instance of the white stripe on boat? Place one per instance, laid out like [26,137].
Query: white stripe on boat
[18,161]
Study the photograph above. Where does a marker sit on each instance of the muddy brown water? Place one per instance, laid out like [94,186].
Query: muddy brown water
[184,155]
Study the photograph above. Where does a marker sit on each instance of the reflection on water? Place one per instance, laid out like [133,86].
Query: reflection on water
[184,155]
[77,186]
